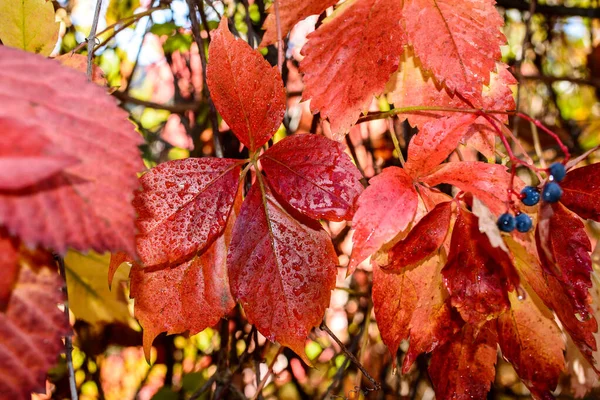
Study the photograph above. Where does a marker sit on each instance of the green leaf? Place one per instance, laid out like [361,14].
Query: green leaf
[29,25]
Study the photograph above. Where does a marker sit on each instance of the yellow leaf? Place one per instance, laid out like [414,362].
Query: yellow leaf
[119,9]
[87,283]
[29,25]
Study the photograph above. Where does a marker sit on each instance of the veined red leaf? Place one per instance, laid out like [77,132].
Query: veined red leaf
[246,90]
[477,275]
[384,209]
[314,175]
[488,182]
[31,328]
[464,367]
[183,206]
[433,322]
[9,259]
[459,44]
[86,205]
[424,238]
[187,297]
[568,256]
[526,333]
[435,141]
[355,51]
[290,13]
[432,197]
[281,270]
[581,191]
[116,260]
[27,156]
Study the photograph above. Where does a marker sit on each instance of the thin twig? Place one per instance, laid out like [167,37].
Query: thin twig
[263,381]
[279,37]
[92,39]
[68,338]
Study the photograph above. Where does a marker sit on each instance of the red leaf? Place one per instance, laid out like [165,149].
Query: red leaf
[116,260]
[31,328]
[187,297]
[9,259]
[435,141]
[183,206]
[246,90]
[282,271]
[290,13]
[477,275]
[424,238]
[568,255]
[581,191]
[87,205]
[355,51]
[460,42]
[314,175]
[384,209]
[488,182]
[27,156]
[526,333]
[463,368]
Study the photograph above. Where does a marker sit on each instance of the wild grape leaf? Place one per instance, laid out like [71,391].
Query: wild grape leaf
[564,250]
[554,296]
[477,275]
[432,197]
[384,209]
[116,260]
[488,182]
[314,175]
[190,296]
[78,62]
[87,205]
[282,269]
[581,191]
[526,333]
[31,328]
[459,43]
[27,156]
[290,13]
[464,367]
[488,224]
[9,259]
[29,25]
[355,51]
[434,143]
[433,321]
[424,238]
[246,90]
[183,206]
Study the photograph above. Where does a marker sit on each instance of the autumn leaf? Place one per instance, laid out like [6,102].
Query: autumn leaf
[424,238]
[463,368]
[9,259]
[459,44]
[191,296]
[31,327]
[86,205]
[29,25]
[581,191]
[384,209]
[314,175]
[120,9]
[527,333]
[290,13]
[78,62]
[477,275]
[90,298]
[246,90]
[282,269]
[182,207]
[355,51]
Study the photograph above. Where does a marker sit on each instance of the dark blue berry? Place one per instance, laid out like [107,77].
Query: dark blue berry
[530,196]
[523,222]
[506,222]
[557,171]
[551,192]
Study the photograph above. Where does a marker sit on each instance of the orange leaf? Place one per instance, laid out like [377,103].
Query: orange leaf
[79,63]
[246,90]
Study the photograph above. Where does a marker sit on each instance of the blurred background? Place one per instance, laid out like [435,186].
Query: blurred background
[152,64]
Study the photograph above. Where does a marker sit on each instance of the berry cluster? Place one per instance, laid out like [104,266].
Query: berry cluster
[530,196]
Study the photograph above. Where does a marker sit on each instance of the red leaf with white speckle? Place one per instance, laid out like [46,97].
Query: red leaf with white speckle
[183,206]
[282,270]
[314,175]
[86,205]
[246,90]
[581,191]
[384,209]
